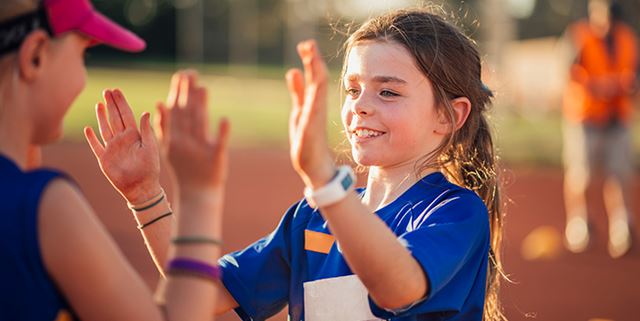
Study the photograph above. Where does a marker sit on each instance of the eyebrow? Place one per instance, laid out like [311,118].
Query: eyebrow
[381,79]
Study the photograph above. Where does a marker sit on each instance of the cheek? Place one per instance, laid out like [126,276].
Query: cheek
[346,117]
[75,83]
[79,79]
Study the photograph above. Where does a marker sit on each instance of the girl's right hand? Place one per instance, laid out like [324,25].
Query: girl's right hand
[199,159]
[128,157]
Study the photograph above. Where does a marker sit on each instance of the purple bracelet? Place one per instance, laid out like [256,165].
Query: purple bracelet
[191,266]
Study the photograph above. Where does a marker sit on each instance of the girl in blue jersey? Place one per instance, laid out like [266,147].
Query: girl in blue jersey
[57,260]
[421,240]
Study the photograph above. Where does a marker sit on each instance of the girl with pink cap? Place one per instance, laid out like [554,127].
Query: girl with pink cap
[58,261]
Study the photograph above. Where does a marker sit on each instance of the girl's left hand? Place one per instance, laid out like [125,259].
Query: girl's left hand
[128,158]
[308,119]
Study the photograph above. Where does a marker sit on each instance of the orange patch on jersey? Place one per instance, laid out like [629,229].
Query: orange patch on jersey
[318,242]
[63,315]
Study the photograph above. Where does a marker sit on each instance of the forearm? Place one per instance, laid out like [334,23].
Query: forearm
[155,226]
[156,239]
[201,219]
[187,296]
[157,235]
[392,276]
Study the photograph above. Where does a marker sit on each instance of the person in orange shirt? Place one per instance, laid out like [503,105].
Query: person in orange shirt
[598,108]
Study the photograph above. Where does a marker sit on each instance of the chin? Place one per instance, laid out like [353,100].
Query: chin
[49,137]
[364,159]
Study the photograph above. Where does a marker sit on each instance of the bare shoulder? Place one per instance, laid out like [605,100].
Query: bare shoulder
[76,248]
[61,196]
[64,218]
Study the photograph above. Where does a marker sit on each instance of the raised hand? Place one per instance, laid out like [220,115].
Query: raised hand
[198,159]
[309,151]
[128,157]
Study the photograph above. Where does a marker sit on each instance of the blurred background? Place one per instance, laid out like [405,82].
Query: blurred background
[249,43]
[242,49]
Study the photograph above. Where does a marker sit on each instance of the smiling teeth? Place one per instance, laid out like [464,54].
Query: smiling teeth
[364,133]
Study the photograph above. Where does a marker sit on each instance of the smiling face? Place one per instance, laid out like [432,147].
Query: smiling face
[389,112]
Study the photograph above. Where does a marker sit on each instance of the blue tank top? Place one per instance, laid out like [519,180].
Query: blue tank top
[27,291]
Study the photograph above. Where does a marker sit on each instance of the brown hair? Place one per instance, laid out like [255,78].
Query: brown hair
[450,60]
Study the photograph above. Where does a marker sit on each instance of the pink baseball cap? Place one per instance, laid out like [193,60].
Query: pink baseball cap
[79,15]
[59,16]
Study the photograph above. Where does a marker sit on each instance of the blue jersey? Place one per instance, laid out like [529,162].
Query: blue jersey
[27,291]
[445,228]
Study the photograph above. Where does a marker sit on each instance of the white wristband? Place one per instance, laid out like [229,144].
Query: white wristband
[342,182]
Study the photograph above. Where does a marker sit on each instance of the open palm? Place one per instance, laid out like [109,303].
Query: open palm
[309,151]
[198,158]
[128,157]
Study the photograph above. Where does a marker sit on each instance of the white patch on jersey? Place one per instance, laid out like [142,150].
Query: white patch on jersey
[337,299]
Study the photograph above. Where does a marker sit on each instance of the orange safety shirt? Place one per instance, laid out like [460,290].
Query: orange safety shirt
[596,64]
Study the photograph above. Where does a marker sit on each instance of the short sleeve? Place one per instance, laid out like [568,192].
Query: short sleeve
[450,242]
[258,276]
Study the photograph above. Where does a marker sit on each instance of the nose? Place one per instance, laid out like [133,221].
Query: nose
[362,106]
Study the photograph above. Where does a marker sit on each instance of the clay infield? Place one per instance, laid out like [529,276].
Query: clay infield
[553,285]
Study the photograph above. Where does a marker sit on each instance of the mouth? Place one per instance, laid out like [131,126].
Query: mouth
[364,134]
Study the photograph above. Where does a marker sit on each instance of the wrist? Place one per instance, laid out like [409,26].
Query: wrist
[337,188]
[201,209]
[320,177]
[142,195]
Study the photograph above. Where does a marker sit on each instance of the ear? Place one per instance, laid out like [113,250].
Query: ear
[31,55]
[461,108]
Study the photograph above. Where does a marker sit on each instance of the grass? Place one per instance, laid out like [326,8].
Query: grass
[258,108]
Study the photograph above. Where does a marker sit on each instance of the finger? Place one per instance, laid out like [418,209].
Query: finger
[316,84]
[295,84]
[199,114]
[162,126]
[181,120]
[221,150]
[174,90]
[115,120]
[191,87]
[124,109]
[304,53]
[318,65]
[146,132]
[94,143]
[315,69]
[224,128]
[103,123]
[187,81]
[161,120]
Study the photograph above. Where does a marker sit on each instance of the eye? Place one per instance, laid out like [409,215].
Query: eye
[387,93]
[86,55]
[352,92]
